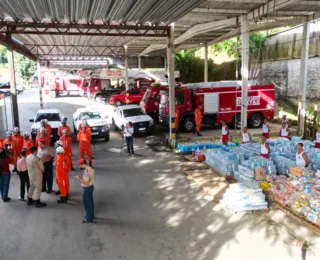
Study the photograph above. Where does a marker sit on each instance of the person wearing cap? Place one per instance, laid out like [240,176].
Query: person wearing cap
[35,171]
[18,138]
[64,126]
[27,143]
[87,184]
[61,174]
[9,143]
[23,174]
[84,123]
[46,155]
[198,120]
[43,137]
[6,158]
[84,139]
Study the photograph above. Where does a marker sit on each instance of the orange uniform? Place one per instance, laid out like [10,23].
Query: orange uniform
[84,139]
[48,130]
[61,173]
[87,129]
[198,118]
[64,127]
[1,144]
[67,146]
[18,139]
[44,138]
[8,144]
[27,144]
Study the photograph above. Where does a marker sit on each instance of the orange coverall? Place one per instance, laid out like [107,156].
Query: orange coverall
[19,140]
[64,127]
[8,144]
[198,118]
[61,173]
[45,138]
[1,143]
[67,146]
[48,130]
[27,144]
[87,129]
[84,139]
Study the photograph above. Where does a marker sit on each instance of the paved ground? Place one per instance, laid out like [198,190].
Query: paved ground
[146,210]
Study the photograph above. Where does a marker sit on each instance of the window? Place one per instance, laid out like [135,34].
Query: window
[134,91]
[49,117]
[89,115]
[133,112]
[179,98]
[146,96]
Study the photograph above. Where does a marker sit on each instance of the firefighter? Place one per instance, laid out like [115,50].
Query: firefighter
[27,143]
[61,174]
[67,146]
[198,119]
[64,126]
[225,133]
[42,136]
[84,123]
[8,143]
[246,136]
[84,139]
[18,139]
[44,125]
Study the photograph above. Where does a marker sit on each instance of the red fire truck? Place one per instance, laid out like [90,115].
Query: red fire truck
[65,85]
[151,99]
[219,101]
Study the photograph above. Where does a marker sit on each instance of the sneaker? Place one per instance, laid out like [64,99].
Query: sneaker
[6,199]
[86,221]
[57,192]
[48,192]
[62,200]
[22,199]
[40,204]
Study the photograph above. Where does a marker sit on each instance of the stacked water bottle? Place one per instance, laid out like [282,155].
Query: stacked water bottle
[239,197]
[283,164]
[225,162]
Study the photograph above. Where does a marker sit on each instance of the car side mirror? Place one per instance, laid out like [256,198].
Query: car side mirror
[31,120]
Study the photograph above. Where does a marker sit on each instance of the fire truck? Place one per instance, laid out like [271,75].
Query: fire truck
[219,101]
[151,99]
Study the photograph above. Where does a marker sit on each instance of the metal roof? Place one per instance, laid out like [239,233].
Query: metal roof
[67,29]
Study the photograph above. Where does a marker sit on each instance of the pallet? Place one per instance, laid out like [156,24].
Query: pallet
[314,227]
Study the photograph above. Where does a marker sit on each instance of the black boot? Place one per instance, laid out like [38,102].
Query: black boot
[62,200]
[40,204]
[67,197]
[198,134]
[57,192]
[30,201]
[72,169]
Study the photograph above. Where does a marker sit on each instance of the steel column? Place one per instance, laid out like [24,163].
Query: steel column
[126,69]
[39,83]
[303,77]
[13,90]
[139,62]
[172,87]
[206,62]
[244,71]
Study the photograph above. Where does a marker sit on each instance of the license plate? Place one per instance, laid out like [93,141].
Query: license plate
[95,133]
[142,129]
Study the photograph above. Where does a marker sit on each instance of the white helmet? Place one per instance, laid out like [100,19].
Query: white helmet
[58,144]
[26,134]
[60,150]
[16,130]
[9,133]
[42,121]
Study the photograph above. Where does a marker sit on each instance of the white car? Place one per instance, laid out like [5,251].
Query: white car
[97,122]
[142,123]
[54,116]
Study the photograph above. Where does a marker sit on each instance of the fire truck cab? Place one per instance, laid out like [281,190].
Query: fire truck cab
[219,101]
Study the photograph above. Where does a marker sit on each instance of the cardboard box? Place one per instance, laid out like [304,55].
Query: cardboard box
[260,174]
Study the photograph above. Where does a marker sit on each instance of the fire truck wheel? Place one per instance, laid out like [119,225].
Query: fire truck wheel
[118,103]
[188,124]
[236,122]
[256,120]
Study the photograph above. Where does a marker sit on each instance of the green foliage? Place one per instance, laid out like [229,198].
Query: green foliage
[3,54]
[25,67]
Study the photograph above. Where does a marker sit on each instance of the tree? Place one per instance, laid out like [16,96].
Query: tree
[25,67]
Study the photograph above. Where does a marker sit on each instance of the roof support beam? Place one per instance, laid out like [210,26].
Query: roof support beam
[270,7]
[206,27]
[242,1]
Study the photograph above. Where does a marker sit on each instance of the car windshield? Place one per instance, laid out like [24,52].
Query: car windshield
[133,112]
[48,116]
[90,115]
[146,96]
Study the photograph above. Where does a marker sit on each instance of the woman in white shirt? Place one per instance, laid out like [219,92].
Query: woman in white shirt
[266,129]
[128,133]
[317,138]
[246,136]
[301,157]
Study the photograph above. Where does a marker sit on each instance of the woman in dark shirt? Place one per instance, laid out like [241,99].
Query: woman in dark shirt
[6,158]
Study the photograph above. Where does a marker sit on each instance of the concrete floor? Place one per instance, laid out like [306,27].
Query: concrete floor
[146,209]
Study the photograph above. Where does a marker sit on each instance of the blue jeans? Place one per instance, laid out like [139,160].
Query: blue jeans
[129,141]
[4,184]
[87,198]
